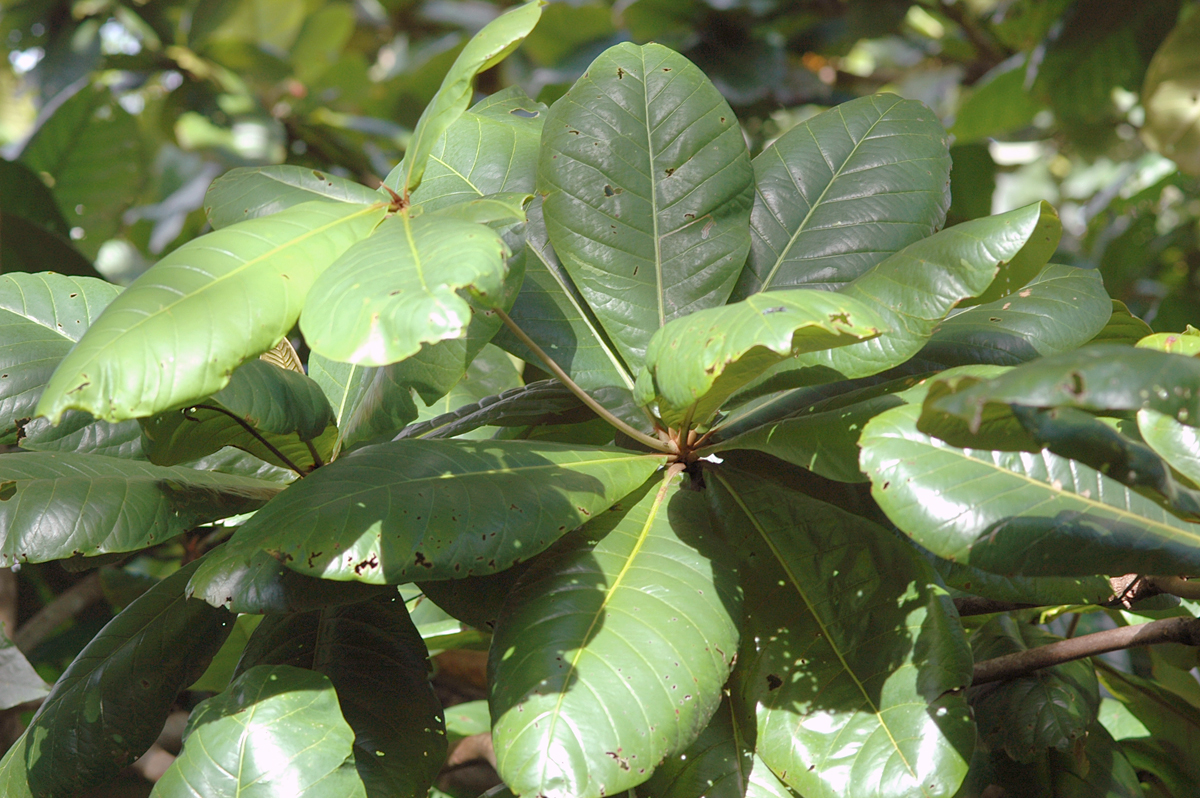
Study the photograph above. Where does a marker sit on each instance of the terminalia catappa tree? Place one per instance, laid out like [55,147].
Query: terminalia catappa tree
[793,427]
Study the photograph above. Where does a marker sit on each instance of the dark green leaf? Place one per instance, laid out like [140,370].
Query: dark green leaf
[369,403]
[59,505]
[25,195]
[1000,103]
[378,664]
[156,346]
[253,191]
[1102,770]
[1123,327]
[648,187]
[853,659]
[277,731]
[220,670]
[842,191]
[589,701]
[544,402]
[111,703]
[391,513]
[476,600]
[26,247]
[80,433]
[1035,590]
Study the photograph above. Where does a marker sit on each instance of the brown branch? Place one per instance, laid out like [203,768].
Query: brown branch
[1010,666]
[977,605]
[68,604]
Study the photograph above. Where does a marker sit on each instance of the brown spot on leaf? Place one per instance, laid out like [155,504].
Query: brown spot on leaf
[774,682]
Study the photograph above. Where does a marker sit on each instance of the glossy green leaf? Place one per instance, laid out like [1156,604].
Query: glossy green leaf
[78,432]
[497,210]
[1035,590]
[1184,343]
[853,660]
[277,731]
[648,187]
[284,407]
[488,47]
[370,404]
[1123,327]
[693,364]
[1169,95]
[539,403]
[1049,708]
[19,682]
[60,505]
[490,149]
[1178,444]
[392,513]
[840,192]
[1061,309]
[493,372]
[41,317]
[398,289]
[1098,378]
[156,346]
[915,288]
[111,702]
[91,150]
[378,664]
[249,192]
[1173,724]
[720,764]
[611,654]
[1017,512]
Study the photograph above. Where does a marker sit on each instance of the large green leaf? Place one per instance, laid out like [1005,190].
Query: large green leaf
[543,402]
[853,660]
[378,664]
[1049,708]
[1169,95]
[285,409]
[369,403]
[249,192]
[79,432]
[178,332]
[490,149]
[1034,590]
[111,702]
[61,505]
[1099,377]
[277,732]
[611,654]
[41,317]
[1178,444]
[488,47]
[398,289]
[915,288]
[1017,512]
[427,509]
[1061,309]
[90,150]
[1171,722]
[1123,327]
[694,363]
[840,192]
[648,187]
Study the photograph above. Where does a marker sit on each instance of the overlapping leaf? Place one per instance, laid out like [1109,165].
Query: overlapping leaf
[420,509]
[111,702]
[853,658]
[249,192]
[1123,327]
[693,364]
[19,682]
[54,506]
[648,187]
[1018,512]
[397,290]
[277,731]
[1172,724]
[544,402]
[156,346]
[611,655]
[378,664]
[80,433]
[840,192]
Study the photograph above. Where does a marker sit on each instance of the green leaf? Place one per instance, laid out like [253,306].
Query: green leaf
[1000,103]
[1123,327]
[1102,377]
[26,196]
[914,289]
[26,247]
[156,346]
[378,664]
[59,505]
[853,660]
[1184,343]
[369,403]
[694,363]
[398,289]
[476,600]
[19,682]
[90,150]
[277,731]
[1173,724]
[111,702]
[249,192]
[1178,444]
[497,210]
[588,702]
[80,433]
[14,780]
[1058,311]
[41,317]
[539,403]
[1035,590]
[1101,770]
[490,374]
[1169,96]
[285,407]
[648,187]
[1049,708]
[840,192]
[420,509]
[490,149]
[488,47]
[1015,512]
[220,670]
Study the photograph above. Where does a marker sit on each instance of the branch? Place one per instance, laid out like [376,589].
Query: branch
[1180,586]
[68,604]
[1010,666]
[977,605]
